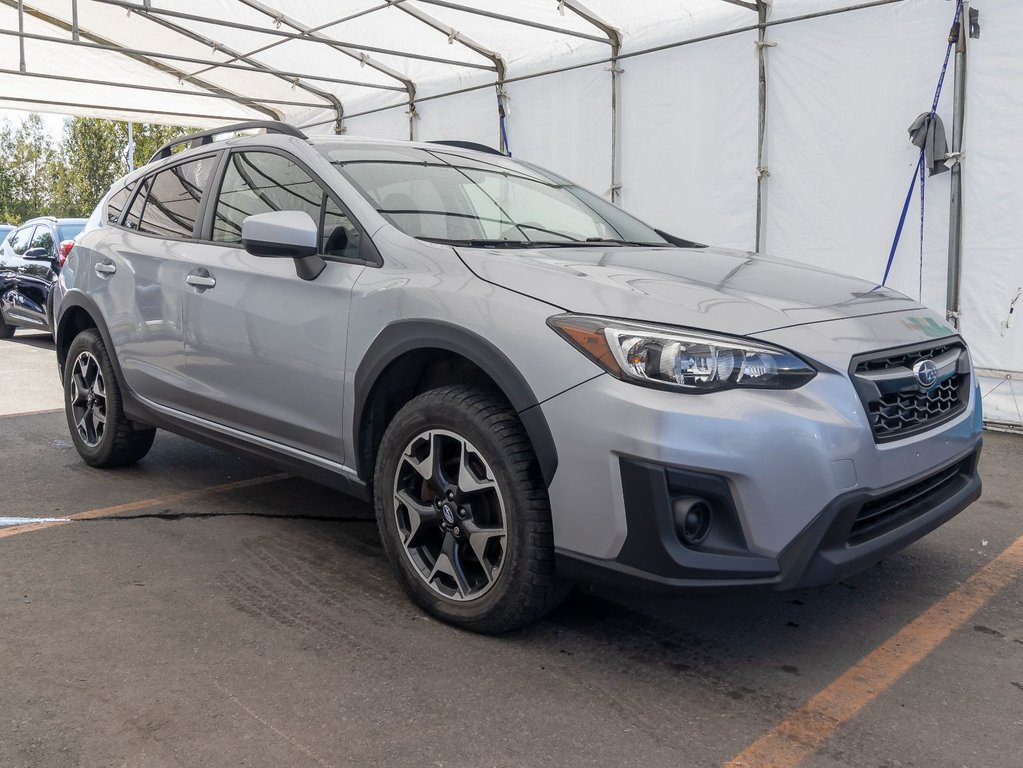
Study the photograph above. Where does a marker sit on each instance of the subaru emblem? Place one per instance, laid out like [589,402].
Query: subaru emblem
[926,373]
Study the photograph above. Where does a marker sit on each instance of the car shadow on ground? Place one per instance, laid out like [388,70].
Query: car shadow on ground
[37,340]
[726,638]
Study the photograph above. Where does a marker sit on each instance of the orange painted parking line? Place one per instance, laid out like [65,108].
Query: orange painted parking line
[806,729]
[134,506]
[31,413]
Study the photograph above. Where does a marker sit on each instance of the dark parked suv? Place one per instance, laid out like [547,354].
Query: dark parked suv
[30,259]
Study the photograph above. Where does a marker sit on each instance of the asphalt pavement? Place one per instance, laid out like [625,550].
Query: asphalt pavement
[202,609]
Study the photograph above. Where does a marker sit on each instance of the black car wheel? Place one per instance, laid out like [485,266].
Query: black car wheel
[6,331]
[463,512]
[95,414]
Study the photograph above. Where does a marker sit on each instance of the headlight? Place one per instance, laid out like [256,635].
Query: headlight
[675,358]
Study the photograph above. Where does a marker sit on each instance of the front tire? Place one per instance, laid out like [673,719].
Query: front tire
[95,413]
[463,513]
[6,330]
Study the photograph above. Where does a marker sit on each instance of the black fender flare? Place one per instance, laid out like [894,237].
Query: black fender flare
[82,301]
[405,336]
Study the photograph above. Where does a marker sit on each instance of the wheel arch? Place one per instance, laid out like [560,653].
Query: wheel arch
[408,347]
[78,313]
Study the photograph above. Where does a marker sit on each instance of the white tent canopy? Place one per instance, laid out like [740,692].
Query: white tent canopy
[736,122]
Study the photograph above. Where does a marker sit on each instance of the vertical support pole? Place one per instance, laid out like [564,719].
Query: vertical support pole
[616,155]
[21,34]
[955,221]
[762,173]
[502,116]
[74,20]
[131,147]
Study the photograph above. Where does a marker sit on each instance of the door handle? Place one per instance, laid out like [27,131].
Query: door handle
[105,268]
[200,281]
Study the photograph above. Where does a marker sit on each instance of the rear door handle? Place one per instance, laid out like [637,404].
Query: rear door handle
[201,281]
[105,268]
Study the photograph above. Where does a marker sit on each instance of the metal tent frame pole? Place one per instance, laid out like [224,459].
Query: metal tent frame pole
[318,28]
[359,55]
[209,63]
[454,36]
[302,32]
[614,37]
[762,9]
[955,220]
[330,98]
[148,60]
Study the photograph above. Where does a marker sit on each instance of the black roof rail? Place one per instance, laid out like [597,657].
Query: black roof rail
[206,137]
[469,145]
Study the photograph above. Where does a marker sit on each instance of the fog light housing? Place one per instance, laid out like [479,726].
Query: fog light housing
[693,518]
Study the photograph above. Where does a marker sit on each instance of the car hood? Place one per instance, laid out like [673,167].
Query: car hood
[708,288]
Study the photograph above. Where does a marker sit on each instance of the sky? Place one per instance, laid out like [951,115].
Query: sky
[54,123]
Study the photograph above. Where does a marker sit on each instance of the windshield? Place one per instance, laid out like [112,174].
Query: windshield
[70,231]
[443,195]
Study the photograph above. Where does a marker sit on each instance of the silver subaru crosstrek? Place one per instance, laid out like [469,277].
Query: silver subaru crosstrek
[532,386]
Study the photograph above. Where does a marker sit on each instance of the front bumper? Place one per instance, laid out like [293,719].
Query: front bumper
[792,470]
[835,545]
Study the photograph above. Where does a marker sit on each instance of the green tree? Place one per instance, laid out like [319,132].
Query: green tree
[6,168]
[149,138]
[27,157]
[39,178]
[87,161]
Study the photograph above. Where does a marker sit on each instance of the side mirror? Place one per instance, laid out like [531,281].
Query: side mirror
[285,235]
[37,254]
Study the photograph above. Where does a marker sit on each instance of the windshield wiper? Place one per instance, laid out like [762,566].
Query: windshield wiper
[483,243]
[613,241]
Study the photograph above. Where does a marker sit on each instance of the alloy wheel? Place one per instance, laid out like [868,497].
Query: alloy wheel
[88,399]
[450,515]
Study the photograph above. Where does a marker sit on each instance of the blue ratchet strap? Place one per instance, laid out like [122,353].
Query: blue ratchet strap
[902,219]
[920,170]
[923,197]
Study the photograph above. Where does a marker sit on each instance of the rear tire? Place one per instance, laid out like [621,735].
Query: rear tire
[6,331]
[473,543]
[95,413]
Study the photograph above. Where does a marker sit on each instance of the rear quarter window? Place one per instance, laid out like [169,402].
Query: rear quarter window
[117,201]
[172,202]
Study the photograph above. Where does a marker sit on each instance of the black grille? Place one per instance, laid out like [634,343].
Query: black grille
[899,411]
[906,409]
[906,359]
[892,510]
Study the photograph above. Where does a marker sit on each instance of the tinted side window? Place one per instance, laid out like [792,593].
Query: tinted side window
[117,202]
[131,221]
[172,204]
[43,238]
[340,237]
[260,182]
[21,239]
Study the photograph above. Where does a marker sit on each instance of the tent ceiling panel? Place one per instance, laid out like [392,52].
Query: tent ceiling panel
[49,67]
[45,18]
[308,60]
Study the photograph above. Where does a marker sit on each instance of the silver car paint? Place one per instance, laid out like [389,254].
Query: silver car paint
[787,454]
[709,288]
[265,350]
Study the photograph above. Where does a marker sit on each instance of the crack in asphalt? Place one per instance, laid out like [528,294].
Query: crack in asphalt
[174,516]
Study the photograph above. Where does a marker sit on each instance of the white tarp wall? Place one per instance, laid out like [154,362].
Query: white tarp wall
[842,92]
[842,89]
